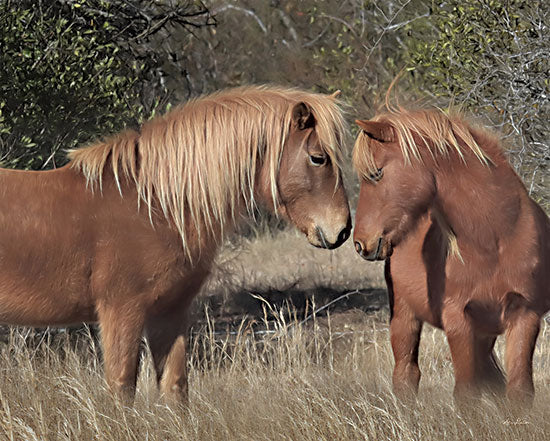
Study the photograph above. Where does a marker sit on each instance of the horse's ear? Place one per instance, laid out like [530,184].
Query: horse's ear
[379,130]
[335,94]
[302,116]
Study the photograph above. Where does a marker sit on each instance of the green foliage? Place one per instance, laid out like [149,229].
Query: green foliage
[61,81]
[75,70]
[465,41]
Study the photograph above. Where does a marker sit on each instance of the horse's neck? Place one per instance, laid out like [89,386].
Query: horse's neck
[480,205]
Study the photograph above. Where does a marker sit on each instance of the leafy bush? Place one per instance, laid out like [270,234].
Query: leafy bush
[71,71]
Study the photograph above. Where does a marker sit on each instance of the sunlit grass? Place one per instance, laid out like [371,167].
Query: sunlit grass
[328,378]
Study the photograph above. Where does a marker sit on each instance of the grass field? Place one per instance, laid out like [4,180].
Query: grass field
[276,372]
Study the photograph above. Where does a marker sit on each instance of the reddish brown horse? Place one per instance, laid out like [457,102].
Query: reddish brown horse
[470,250]
[125,233]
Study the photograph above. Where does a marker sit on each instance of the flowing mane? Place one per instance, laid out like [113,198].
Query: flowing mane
[441,133]
[199,160]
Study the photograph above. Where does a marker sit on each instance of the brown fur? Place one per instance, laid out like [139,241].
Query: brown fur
[101,238]
[470,250]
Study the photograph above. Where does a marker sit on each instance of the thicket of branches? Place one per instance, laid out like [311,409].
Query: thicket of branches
[73,70]
[493,57]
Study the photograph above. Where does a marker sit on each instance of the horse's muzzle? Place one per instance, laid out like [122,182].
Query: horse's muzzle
[323,242]
[381,251]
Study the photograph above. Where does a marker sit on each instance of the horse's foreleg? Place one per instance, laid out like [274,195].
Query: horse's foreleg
[121,329]
[167,336]
[405,331]
[521,336]
[462,343]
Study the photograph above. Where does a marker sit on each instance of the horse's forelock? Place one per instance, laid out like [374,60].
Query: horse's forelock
[363,157]
[330,125]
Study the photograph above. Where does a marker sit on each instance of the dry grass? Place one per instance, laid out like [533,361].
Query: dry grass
[326,379]
[273,377]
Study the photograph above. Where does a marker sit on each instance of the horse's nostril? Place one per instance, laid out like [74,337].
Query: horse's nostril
[344,234]
[358,247]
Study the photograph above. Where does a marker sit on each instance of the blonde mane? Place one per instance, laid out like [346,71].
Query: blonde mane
[439,131]
[199,161]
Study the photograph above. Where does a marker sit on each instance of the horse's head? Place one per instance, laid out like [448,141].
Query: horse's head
[394,194]
[311,192]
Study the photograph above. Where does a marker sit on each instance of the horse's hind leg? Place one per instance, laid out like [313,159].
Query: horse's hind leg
[167,337]
[405,331]
[489,374]
[521,336]
[121,329]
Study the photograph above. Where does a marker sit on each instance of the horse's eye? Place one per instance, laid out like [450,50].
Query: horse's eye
[317,160]
[377,175]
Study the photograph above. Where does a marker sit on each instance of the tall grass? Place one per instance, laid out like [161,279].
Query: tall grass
[327,378]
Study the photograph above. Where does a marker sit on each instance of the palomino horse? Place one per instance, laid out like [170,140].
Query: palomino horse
[125,234]
[470,250]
